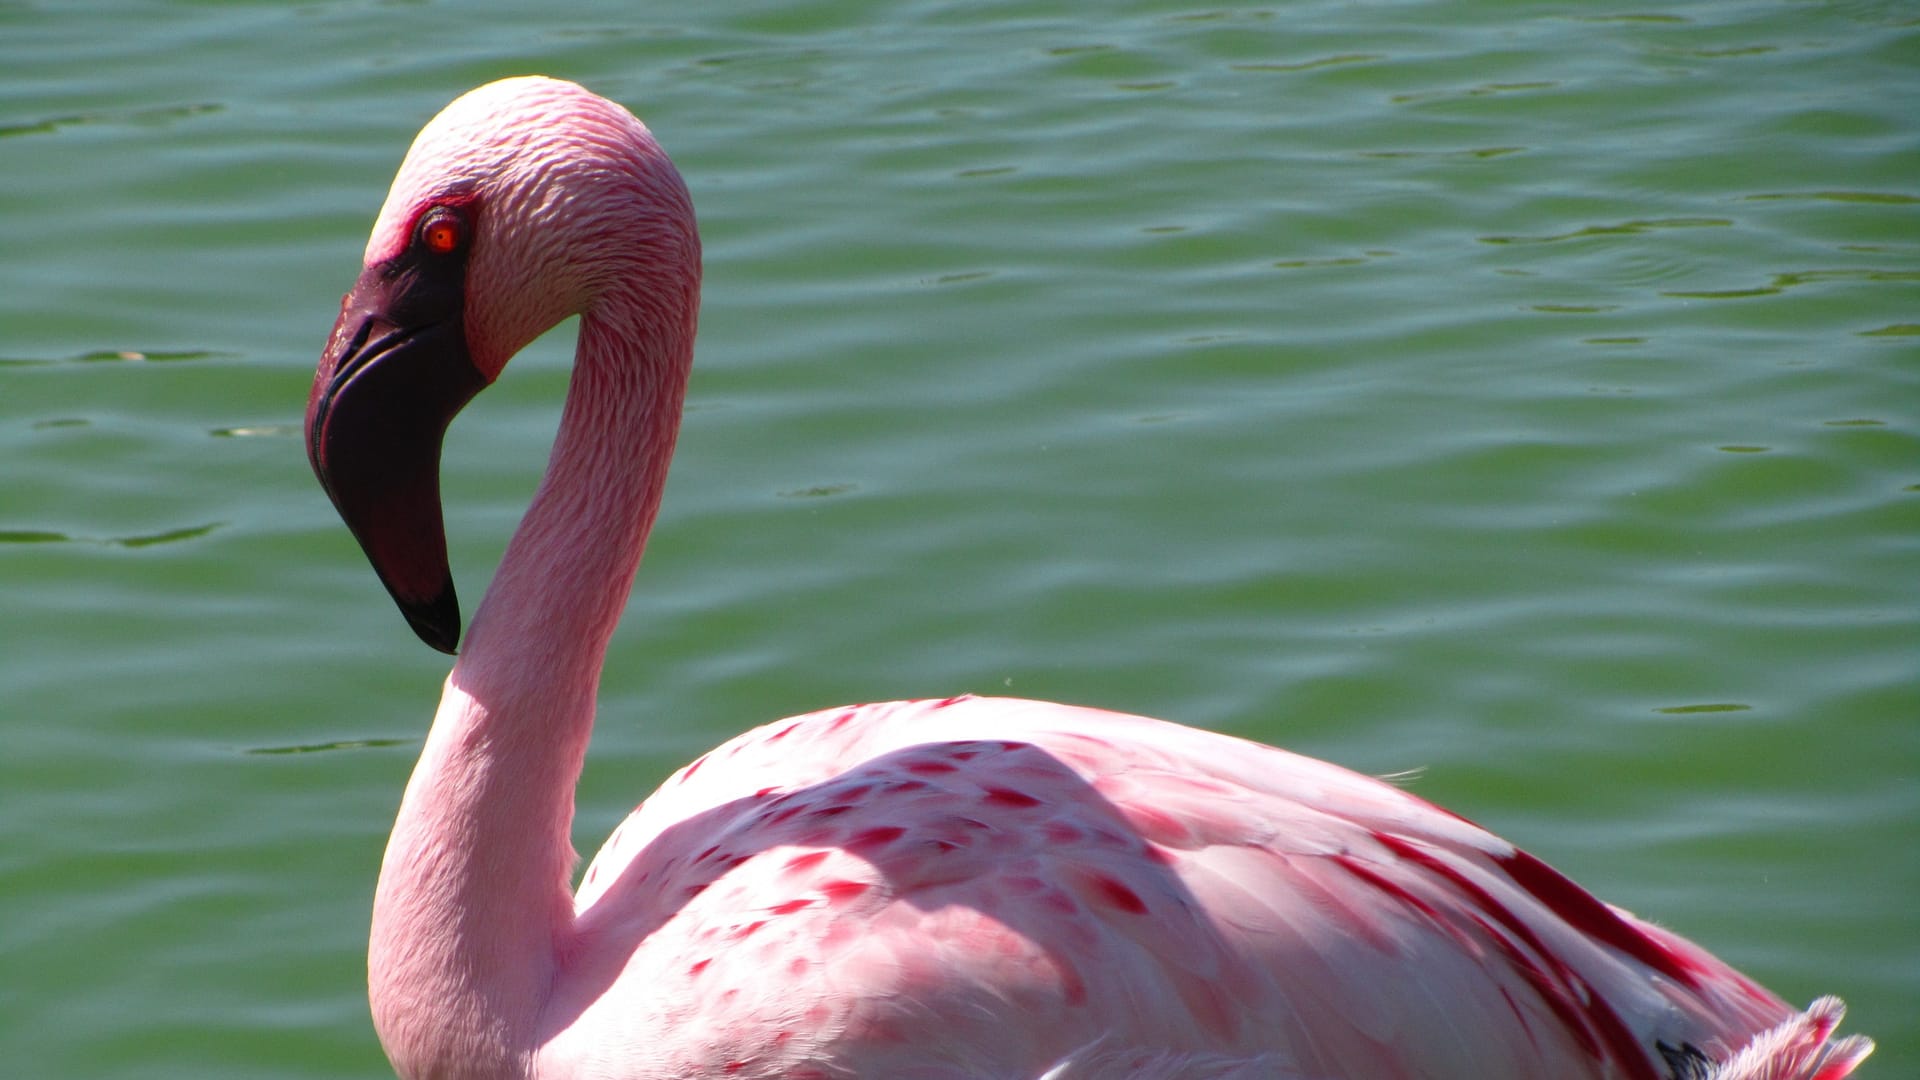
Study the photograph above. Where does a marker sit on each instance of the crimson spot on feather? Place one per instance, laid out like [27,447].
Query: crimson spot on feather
[1360,870]
[1001,796]
[805,862]
[1071,984]
[1563,990]
[1591,917]
[879,836]
[839,892]
[1118,895]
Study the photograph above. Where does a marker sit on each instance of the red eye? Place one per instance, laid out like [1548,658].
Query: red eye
[443,232]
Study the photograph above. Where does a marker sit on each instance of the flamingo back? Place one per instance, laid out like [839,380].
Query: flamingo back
[998,886]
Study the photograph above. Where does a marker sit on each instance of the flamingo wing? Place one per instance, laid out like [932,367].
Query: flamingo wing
[895,885]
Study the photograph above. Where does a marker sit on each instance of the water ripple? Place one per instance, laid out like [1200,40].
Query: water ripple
[138,540]
[1782,282]
[1624,228]
[160,114]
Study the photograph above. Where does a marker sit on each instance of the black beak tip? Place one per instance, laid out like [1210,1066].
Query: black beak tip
[436,621]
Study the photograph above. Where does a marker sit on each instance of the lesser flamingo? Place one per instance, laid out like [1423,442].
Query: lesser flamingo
[971,887]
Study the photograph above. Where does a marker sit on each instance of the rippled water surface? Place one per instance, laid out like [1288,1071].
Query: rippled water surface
[1525,393]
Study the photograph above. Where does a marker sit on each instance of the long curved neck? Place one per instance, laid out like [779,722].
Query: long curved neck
[474,907]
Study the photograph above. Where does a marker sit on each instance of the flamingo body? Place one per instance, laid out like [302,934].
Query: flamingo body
[964,888]
[913,873]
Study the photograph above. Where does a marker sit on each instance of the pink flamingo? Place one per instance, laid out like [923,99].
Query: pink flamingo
[961,888]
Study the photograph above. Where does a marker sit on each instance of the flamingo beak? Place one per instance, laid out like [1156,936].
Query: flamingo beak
[393,375]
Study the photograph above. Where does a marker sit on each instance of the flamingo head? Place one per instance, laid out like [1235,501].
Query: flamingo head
[523,202]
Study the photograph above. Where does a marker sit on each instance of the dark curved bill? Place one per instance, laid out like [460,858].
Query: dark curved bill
[394,374]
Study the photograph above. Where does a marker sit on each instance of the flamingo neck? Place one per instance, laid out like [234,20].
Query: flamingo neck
[474,909]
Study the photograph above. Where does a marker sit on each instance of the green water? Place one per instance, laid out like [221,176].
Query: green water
[1528,393]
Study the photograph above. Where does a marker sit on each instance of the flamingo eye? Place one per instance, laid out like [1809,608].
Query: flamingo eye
[443,231]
